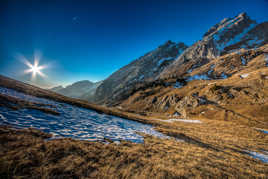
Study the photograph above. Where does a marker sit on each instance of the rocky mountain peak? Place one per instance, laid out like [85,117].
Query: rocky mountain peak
[175,60]
[167,43]
[237,23]
[243,15]
[229,35]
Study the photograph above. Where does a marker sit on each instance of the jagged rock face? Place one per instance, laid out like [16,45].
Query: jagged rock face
[174,61]
[256,37]
[244,82]
[193,57]
[227,36]
[146,68]
[230,31]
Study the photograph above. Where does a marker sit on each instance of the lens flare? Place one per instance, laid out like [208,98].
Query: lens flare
[35,68]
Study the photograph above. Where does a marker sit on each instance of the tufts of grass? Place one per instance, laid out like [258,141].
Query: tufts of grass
[27,154]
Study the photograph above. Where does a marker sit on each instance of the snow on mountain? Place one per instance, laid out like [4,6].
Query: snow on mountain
[229,35]
[176,61]
[230,31]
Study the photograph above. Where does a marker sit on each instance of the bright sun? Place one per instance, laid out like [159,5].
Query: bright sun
[34,68]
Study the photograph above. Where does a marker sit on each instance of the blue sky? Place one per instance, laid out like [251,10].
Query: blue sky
[90,40]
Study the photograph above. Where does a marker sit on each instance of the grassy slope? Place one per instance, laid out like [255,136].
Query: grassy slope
[243,101]
[27,154]
[215,148]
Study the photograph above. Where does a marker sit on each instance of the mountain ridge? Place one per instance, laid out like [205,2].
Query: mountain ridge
[229,35]
[216,41]
[141,69]
[78,89]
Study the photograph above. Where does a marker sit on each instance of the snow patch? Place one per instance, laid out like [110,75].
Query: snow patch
[190,70]
[164,59]
[193,67]
[211,69]
[244,75]
[261,156]
[198,77]
[141,77]
[264,131]
[178,85]
[176,114]
[243,61]
[74,122]
[266,59]
[255,41]
[181,120]
[236,51]
[117,142]
[2,117]
[232,41]
[238,37]
[223,75]
[202,100]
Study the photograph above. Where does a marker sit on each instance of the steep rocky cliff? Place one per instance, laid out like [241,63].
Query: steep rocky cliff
[174,64]
[145,68]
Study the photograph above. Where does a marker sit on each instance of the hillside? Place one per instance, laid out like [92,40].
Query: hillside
[145,68]
[230,35]
[192,148]
[231,87]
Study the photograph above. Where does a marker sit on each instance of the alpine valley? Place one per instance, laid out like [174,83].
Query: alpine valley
[179,111]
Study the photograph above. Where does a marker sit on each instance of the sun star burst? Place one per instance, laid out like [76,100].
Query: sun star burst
[35,68]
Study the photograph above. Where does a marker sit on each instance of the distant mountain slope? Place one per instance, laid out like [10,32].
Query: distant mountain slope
[145,68]
[170,61]
[89,95]
[77,89]
[57,88]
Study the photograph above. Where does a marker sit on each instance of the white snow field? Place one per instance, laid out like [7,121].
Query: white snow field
[74,122]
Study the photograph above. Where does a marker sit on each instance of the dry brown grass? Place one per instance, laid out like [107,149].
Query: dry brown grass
[26,154]
[212,149]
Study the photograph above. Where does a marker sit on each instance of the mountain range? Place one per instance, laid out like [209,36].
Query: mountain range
[223,75]
[80,89]
[174,61]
